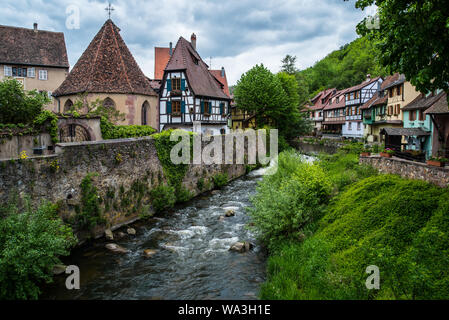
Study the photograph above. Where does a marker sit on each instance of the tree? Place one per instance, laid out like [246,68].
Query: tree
[272,98]
[289,64]
[18,106]
[413,39]
[30,243]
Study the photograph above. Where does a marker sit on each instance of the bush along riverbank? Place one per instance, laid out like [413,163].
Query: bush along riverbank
[325,223]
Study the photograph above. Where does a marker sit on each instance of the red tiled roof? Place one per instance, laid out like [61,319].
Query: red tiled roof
[222,80]
[161,58]
[28,47]
[201,81]
[107,66]
[375,101]
[340,104]
[362,85]
[326,95]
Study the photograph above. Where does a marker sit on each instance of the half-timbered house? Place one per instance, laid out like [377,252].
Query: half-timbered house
[191,95]
[355,98]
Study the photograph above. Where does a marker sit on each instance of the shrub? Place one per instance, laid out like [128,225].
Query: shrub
[220,180]
[30,243]
[163,198]
[90,215]
[111,131]
[289,200]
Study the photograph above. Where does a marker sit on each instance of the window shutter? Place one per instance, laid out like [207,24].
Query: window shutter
[210,107]
[183,84]
[221,108]
[169,85]
[183,107]
[202,106]
[168,107]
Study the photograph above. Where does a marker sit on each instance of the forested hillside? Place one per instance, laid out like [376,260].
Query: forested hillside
[341,69]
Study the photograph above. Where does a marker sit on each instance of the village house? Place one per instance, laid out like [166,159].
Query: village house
[36,58]
[316,108]
[333,114]
[190,93]
[107,71]
[439,114]
[355,98]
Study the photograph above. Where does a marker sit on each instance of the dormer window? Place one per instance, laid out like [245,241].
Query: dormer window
[195,60]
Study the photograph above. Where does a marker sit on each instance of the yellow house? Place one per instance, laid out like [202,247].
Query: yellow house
[36,58]
[108,71]
[242,119]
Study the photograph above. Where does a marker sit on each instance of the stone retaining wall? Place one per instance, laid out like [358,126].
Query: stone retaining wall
[409,169]
[119,166]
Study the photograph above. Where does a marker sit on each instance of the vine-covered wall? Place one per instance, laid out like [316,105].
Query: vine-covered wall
[105,184]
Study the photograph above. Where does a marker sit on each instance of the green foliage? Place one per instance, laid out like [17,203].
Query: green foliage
[52,120]
[413,39]
[200,184]
[18,106]
[341,69]
[163,198]
[273,99]
[289,199]
[30,244]
[289,65]
[220,180]
[90,215]
[399,225]
[174,172]
[111,131]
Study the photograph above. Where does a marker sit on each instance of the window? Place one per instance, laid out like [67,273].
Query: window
[421,115]
[19,72]
[176,107]
[31,72]
[391,93]
[68,106]
[411,115]
[359,126]
[109,103]
[338,100]
[43,75]
[145,111]
[207,107]
[398,90]
[8,71]
[349,125]
[176,84]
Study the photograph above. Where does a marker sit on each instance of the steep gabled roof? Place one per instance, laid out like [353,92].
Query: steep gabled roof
[201,81]
[161,58]
[340,104]
[362,85]
[107,66]
[440,105]
[422,102]
[318,99]
[222,80]
[376,100]
[29,47]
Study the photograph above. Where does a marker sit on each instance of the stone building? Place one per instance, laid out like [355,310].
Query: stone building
[36,58]
[108,71]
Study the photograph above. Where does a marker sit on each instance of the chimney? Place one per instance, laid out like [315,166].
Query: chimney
[193,41]
[222,72]
[368,77]
[35,27]
[171,49]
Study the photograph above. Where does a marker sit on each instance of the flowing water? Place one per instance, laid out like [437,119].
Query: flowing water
[193,259]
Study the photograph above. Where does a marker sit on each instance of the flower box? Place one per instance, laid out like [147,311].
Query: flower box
[435,163]
[365,154]
[385,155]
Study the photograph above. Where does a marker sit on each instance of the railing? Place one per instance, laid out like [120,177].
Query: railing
[354,117]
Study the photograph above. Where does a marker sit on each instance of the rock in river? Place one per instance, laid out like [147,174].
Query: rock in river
[241,247]
[59,269]
[149,253]
[131,231]
[230,213]
[116,248]
[108,234]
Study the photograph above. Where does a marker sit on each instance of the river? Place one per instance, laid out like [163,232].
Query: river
[193,259]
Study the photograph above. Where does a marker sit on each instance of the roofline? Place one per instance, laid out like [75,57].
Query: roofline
[102,92]
[35,65]
[31,29]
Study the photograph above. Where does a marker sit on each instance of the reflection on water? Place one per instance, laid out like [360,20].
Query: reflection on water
[193,259]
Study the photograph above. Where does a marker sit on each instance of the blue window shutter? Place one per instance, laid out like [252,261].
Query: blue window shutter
[169,85]
[168,107]
[210,107]
[183,107]
[202,106]
[221,108]
[183,84]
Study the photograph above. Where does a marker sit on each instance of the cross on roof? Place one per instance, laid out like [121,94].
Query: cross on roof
[109,9]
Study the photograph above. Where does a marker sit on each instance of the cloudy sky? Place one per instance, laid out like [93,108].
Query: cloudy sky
[237,34]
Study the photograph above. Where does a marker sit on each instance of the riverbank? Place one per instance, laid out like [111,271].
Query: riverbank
[324,229]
